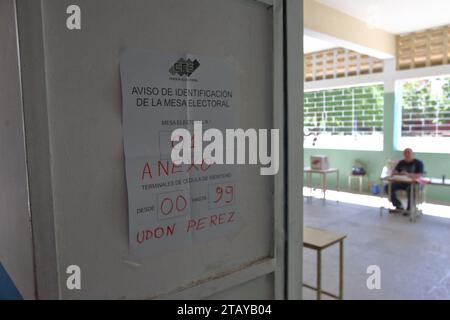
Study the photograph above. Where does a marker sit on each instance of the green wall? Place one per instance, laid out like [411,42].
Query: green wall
[436,165]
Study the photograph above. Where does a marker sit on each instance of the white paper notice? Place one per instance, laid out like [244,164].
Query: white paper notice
[171,206]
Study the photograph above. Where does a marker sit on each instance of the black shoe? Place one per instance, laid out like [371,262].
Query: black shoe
[396,210]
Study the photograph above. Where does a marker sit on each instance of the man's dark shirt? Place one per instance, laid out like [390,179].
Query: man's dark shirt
[416,166]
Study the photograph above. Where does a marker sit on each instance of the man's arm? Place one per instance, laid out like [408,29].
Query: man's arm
[397,168]
[419,171]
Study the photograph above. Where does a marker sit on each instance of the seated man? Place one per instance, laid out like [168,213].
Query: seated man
[409,167]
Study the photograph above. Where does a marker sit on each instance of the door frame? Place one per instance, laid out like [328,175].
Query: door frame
[288,117]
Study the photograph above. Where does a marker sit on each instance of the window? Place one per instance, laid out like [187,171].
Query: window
[346,118]
[425,120]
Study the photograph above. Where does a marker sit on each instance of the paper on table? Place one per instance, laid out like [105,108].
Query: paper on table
[401,178]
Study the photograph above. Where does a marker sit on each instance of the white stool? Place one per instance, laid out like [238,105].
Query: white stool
[361,181]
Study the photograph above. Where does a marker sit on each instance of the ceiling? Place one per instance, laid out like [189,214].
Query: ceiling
[311,44]
[396,16]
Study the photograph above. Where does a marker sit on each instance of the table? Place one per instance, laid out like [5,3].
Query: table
[412,194]
[438,182]
[317,239]
[324,173]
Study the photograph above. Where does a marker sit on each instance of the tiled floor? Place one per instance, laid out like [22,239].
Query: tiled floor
[414,258]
